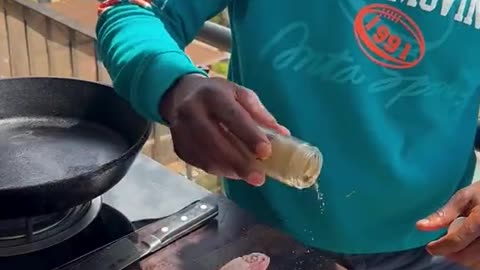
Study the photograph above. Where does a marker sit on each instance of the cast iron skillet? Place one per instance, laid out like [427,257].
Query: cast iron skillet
[63,142]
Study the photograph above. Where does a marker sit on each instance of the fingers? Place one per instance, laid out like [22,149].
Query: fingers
[186,142]
[240,161]
[468,257]
[239,122]
[213,152]
[458,239]
[252,104]
[255,177]
[444,216]
[215,127]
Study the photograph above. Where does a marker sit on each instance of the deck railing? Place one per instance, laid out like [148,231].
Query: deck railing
[61,46]
[216,35]
[36,40]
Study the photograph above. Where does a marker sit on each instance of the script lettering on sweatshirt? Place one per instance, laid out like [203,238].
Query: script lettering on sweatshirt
[291,49]
[301,57]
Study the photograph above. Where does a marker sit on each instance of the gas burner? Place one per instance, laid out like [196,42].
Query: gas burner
[30,234]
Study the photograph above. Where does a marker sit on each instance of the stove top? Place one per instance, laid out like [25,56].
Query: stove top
[26,235]
[108,226]
[148,192]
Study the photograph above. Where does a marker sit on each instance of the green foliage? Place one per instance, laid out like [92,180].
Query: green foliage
[220,68]
[217,19]
[221,18]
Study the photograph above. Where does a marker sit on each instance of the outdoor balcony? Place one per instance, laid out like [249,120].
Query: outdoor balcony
[57,39]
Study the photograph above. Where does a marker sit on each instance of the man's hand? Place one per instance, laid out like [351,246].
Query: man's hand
[214,125]
[462,243]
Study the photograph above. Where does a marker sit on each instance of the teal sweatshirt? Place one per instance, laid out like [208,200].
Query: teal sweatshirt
[387,89]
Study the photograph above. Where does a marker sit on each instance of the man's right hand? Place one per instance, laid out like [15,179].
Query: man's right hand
[214,125]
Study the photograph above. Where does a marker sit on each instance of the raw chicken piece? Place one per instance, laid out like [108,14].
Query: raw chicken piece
[253,261]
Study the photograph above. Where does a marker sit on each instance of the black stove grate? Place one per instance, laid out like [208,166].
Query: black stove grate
[26,235]
[28,227]
[108,226]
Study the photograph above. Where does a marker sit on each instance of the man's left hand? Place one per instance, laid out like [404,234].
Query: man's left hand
[461,244]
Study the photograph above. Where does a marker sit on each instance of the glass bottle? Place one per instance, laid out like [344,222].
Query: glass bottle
[293,162]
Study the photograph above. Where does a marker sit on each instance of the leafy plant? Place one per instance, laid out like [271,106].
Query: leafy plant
[221,68]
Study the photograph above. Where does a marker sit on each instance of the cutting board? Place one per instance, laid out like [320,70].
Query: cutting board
[231,234]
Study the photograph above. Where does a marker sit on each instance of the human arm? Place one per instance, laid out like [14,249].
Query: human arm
[213,121]
[142,49]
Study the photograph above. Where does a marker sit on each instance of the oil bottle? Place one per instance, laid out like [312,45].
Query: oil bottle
[293,162]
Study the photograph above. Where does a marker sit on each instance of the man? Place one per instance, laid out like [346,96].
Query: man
[387,89]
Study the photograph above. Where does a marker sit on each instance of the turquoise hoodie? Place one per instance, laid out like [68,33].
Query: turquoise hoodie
[386,89]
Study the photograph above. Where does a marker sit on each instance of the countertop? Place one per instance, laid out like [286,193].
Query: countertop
[151,191]
[231,234]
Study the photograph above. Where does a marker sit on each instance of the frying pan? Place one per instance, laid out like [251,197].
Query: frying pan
[63,142]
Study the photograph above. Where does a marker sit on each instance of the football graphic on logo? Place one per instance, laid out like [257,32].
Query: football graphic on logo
[380,31]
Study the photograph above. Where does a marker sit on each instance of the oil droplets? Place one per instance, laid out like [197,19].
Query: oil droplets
[320,197]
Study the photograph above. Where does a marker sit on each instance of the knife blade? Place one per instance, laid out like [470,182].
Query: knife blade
[127,250]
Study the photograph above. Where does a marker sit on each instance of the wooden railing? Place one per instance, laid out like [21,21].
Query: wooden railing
[32,43]
[37,41]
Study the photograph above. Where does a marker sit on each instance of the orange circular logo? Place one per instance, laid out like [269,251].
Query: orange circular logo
[379,30]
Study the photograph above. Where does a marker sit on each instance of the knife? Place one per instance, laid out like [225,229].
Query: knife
[127,250]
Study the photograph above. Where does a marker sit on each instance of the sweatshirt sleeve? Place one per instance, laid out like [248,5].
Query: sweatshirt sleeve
[142,48]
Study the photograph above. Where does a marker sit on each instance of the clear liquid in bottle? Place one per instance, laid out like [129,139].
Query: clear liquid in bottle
[293,162]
